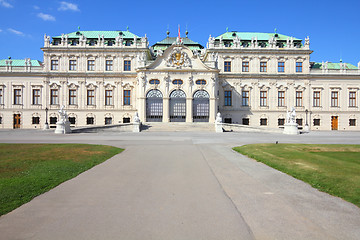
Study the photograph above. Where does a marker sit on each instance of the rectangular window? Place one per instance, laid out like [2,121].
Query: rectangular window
[35,120]
[316,122]
[316,99]
[299,121]
[17,96]
[72,97]
[108,120]
[299,66]
[281,121]
[91,65]
[263,66]
[298,102]
[36,96]
[109,65]
[53,120]
[54,97]
[263,121]
[72,120]
[90,97]
[245,98]
[281,66]
[89,120]
[127,65]
[227,98]
[108,97]
[263,98]
[72,65]
[127,97]
[1,96]
[245,121]
[245,66]
[227,66]
[54,65]
[352,122]
[126,120]
[281,98]
[352,99]
[334,99]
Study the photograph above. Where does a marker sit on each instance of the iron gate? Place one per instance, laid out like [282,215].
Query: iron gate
[177,106]
[201,106]
[154,106]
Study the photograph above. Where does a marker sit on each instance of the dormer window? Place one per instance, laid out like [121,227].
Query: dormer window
[178,82]
[200,82]
[128,43]
[92,43]
[154,81]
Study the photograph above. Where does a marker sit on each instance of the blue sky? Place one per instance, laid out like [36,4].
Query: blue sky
[333,26]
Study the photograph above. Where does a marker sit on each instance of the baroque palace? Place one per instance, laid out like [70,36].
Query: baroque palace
[105,77]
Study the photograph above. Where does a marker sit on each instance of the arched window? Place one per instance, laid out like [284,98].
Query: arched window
[154,81]
[178,82]
[200,82]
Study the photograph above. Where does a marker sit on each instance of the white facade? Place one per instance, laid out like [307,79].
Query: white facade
[108,79]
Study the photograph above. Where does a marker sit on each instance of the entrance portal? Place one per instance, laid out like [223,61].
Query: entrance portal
[334,122]
[177,106]
[201,106]
[154,106]
[17,120]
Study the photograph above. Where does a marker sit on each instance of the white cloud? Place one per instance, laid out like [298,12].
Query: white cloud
[36,7]
[5,4]
[16,32]
[64,6]
[46,17]
[0,30]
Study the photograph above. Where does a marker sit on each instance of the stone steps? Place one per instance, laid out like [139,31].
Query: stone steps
[177,127]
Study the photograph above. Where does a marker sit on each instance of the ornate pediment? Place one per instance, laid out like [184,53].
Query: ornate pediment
[178,58]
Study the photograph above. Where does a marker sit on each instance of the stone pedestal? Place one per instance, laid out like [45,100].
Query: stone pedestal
[46,126]
[136,127]
[291,128]
[306,128]
[62,127]
[218,127]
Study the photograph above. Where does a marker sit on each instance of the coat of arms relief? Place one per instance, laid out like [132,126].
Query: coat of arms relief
[178,59]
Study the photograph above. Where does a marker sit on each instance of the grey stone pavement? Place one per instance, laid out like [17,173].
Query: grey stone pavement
[181,185]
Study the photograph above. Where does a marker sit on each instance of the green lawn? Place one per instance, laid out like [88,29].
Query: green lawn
[334,169]
[28,170]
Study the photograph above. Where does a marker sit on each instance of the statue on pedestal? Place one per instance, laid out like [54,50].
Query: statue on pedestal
[63,125]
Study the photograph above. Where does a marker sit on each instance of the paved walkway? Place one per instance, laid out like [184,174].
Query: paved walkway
[181,186]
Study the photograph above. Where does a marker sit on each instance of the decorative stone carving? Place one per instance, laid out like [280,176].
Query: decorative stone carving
[291,127]
[178,59]
[46,41]
[63,125]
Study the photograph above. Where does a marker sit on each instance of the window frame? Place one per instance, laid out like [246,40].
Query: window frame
[72,97]
[334,99]
[90,98]
[281,99]
[54,65]
[245,66]
[17,96]
[352,99]
[298,98]
[36,97]
[109,98]
[316,99]
[54,99]
[227,66]
[91,65]
[263,98]
[245,98]
[281,67]
[109,65]
[263,66]
[127,65]
[127,97]
[72,65]
[228,98]
[299,67]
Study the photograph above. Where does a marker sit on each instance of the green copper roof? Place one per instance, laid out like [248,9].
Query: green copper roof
[249,35]
[19,63]
[335,66]
[165,43]
[96,34]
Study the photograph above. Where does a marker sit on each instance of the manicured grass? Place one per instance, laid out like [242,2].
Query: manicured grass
[334,169]
[28,170]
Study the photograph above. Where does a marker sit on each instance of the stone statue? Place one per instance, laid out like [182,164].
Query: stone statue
[291,116]
[63,125]
[63,114]
[218,118]
[136,118]
[160,52]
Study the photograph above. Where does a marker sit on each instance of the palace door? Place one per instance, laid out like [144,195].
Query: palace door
[177,106]
[201,106]
[17,120]
[334,122]
[154,106]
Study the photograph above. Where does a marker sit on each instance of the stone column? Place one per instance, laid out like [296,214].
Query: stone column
[166,113]
[142,108]
[189,109]
[212,110]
